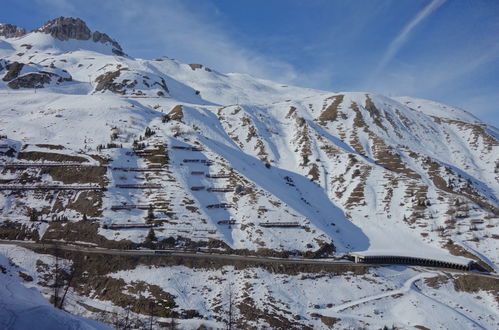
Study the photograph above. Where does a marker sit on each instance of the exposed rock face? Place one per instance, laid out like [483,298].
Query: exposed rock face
[14,69]
[195,66]
[11,31]
[122,81]
[162,84]
[36,80]
[106,81]
[104,38]
[32,79]
[64,28]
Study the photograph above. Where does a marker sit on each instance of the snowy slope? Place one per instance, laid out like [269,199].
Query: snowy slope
[231,162]
[390,296]
[25,308]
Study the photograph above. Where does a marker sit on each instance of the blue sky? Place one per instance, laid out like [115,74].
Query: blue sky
[444,50]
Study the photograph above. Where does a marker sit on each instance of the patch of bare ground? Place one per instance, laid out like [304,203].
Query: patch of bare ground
[437,281]
[234,137]
[77,174]
[382,153]
[303,140]
[327,147]
[16,231]
[84,202]
[331,112]
[433,169]
[390,160]
[477,133]
[313,173]
[291,112]
[102,160]
[25,277]
[262,152]
[392,183]
[250,313]
[358,123]
[474,283]
[374,112]
[83,231]
[49,157]
[421,327]
[88,202]
[50,146]
[328,321]
[356,197]
[176,113]
[394,125]
[253,134]
[157,157]
[457,250]
[417,192]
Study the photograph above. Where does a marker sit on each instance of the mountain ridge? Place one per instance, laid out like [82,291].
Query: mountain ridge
[117,153]
[341,142]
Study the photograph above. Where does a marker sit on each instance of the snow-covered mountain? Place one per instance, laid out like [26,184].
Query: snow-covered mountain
[233,162]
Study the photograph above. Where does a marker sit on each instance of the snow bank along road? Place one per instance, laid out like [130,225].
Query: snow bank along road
[214,256]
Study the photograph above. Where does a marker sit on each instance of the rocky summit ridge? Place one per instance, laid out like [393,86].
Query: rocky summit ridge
[64,28]
[11,31]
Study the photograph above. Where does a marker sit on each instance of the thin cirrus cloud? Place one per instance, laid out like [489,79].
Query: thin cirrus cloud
[403,36]
[177,30]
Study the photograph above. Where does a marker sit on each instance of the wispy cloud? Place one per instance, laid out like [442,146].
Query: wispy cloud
[450,67]
[176,29]
[403,36]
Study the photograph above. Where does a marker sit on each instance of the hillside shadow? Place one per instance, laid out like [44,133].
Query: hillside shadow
[306,198]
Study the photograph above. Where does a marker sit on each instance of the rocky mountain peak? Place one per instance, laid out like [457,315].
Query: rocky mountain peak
[11,31]
[65,28]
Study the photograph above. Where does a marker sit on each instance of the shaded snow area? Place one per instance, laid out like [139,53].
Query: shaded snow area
[21,304]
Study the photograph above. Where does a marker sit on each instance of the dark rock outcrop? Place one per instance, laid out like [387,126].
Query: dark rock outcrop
[30,80]
[195,66]
[36,80]
[104,38]
[162,84]
[111,81]
[65,28]
[14,69]
[11,31]
[106,81]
